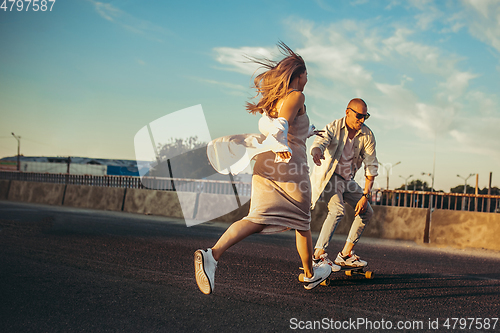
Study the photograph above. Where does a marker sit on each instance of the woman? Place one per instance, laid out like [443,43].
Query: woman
[281,194]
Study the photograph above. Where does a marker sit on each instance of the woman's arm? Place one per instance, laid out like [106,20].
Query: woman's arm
[291,106]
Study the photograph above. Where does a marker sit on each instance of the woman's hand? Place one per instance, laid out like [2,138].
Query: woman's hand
[284,155]
[318,133]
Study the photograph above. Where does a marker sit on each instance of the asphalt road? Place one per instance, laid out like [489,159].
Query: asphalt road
[75,270]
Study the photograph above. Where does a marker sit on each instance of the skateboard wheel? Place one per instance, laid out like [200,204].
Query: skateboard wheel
[369,274]
[348,273]
[301,277]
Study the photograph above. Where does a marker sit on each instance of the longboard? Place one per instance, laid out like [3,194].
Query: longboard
[349,271]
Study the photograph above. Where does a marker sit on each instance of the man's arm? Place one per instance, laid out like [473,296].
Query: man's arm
[370,156]
[320,144]
[371,171]
[362,203]
[317,155]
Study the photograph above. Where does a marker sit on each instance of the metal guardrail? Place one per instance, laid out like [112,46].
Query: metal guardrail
[397,198]
[154,183]
[437,200]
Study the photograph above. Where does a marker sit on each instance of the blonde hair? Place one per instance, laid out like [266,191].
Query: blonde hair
[274,83]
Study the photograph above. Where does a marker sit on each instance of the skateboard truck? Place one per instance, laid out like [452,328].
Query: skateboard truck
[358,271]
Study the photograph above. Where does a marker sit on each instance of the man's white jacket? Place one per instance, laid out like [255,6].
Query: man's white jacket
[332,145]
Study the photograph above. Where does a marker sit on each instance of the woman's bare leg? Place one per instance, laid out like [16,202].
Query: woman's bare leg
[238,231]
[304,247]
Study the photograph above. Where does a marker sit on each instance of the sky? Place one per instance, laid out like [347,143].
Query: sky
[83,78]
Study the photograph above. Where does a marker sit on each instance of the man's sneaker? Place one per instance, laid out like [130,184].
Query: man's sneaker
[323,260]
[351,260]
[321,273]
[204,268]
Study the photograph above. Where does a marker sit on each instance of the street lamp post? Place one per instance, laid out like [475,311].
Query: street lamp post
[18,138]
[465,187]
[387,170]
[406,181]
[431,198]
[432,179]
[406,187]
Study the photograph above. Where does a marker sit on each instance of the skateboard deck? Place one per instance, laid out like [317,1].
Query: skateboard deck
[349,271]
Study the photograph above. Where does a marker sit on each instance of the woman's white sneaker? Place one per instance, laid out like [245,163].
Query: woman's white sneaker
[204,268]
[321,273]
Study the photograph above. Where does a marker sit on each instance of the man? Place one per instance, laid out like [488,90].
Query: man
[345,145]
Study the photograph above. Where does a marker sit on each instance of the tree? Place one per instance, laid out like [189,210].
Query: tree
[182,158]
[472,190]
[416,185]
[178,146]
[494,191]
[460,189]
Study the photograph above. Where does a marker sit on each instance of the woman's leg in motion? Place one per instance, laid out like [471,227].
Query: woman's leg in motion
[205,261]
[238,231]
[305,249]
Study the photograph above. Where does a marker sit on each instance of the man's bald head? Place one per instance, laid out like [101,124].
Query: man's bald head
[356,114]
[358,104]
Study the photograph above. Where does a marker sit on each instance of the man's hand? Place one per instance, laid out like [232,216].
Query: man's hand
[363,202]
[361,206]
[317,156]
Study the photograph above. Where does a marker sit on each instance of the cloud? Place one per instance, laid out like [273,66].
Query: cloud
[129,22]
[107,10]
[324,5]
[483,20]
[426,58]
[426,19]
[234,59]
[480,136]
[455,85]
[481,17]
[481,6]
[342,57]
[229,88]
[333,55]
[417,87]
[454,22]
[484,104]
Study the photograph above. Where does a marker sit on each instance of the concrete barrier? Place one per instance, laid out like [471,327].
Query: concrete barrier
[220,207]
[154,202]
[34,192]
[401,223]
[94,197]
[4,189]
[465,229]
[387,222]
[447,228]
[318,215]
[210,205]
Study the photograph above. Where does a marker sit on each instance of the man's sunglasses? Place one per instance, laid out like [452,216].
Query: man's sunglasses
[360,115]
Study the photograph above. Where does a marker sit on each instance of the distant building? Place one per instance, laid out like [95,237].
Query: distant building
[76,165]
[91,166]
